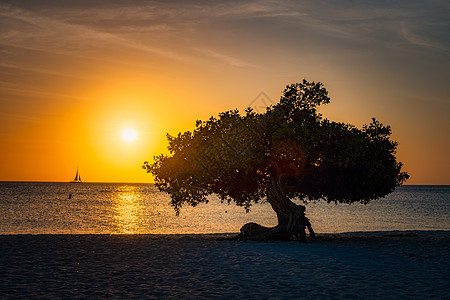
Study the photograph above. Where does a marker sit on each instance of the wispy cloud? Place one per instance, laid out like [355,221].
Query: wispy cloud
[407,33]
[52,35]
[180,31]
[260,9]
[232,61]
[15,117]
[378,23]
[37,93]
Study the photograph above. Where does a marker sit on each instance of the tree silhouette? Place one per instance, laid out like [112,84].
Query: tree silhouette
[287,152]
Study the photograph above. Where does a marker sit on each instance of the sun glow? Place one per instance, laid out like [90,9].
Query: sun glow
[129,135]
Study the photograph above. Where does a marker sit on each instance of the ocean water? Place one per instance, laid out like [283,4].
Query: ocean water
[117,208]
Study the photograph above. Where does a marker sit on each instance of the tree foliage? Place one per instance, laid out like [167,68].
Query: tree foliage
[234,155]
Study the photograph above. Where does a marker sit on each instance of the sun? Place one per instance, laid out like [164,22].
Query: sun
[129,135]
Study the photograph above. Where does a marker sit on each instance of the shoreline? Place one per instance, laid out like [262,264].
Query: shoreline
[227,236]
[367,265]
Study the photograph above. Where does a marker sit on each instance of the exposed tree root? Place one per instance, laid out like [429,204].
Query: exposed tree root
[292,221]
[294,229]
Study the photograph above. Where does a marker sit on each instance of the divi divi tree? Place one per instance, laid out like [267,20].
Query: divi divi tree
[288,152]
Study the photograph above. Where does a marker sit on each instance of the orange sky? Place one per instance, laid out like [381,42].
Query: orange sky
[74,74]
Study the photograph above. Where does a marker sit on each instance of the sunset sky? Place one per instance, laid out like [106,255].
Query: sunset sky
[75,74]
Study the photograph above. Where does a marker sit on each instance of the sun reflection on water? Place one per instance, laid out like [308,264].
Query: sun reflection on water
[128,216]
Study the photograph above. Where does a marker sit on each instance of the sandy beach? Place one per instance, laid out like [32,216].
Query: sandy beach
[366,265]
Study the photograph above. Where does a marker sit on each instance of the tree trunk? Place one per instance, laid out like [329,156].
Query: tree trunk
[291,218]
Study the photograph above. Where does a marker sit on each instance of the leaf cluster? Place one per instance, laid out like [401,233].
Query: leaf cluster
[234,155]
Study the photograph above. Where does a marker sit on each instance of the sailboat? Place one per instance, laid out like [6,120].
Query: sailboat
[77,178]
